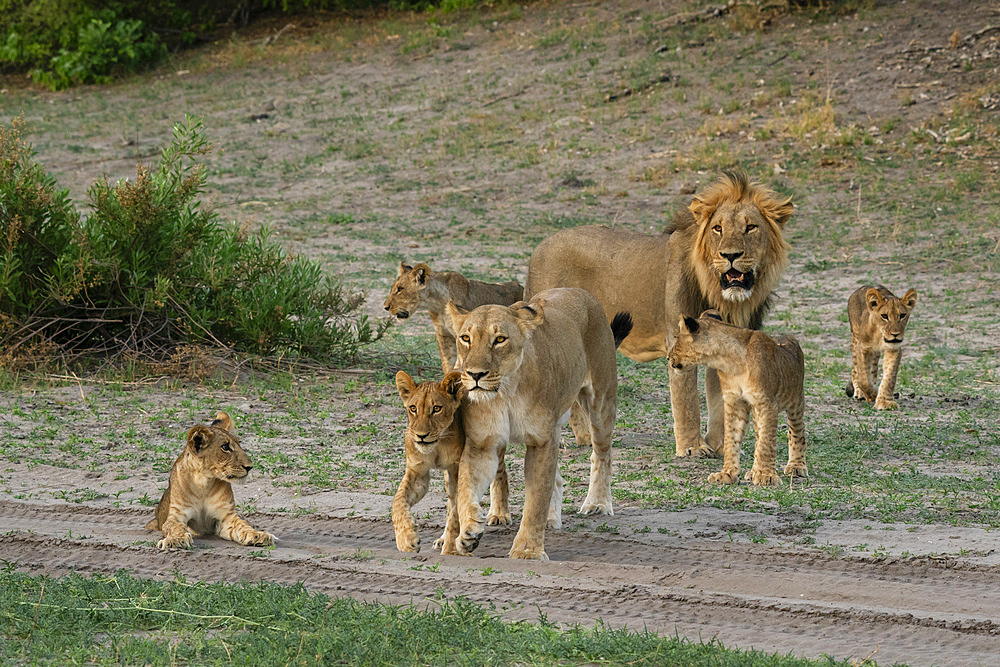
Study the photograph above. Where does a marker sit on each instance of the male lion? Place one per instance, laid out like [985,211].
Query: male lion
[878,320]
[417,288]
[726,252]
[524,366]
[756,371]
[199,496]
[434,440]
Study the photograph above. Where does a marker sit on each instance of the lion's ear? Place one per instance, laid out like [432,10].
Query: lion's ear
[529,315]
[404,268]
[199,437]
[223,421]
[910,298]
[420,272]
[701,210]
[713,313]
[779,211]
[873,298]
[453,386]
[455,314]
[405,385]
[690,325]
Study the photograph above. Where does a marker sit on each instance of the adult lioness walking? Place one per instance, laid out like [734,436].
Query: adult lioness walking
[524,366]
[726,251]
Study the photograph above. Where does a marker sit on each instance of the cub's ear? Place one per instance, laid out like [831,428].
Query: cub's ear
[453,386]
[420,272]
[455,314]
[405,385]
[223,421]
[910,298]
[529,315]
[404,268]
[690,325]
[711,312]
[873,298]
[199,437]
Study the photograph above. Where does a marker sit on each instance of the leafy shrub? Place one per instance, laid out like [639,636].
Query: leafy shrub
[151,270]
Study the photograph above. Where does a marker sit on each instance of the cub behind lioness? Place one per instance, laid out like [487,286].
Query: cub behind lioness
[756,371]
[878,320]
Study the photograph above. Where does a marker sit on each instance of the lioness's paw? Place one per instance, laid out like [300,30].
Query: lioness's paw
[440,542]
[797,470]
[467,542]
[724,477]
[885,404]
[763,477]
[260,538]
[597,507]
[184,542]
[553,523]
[408,540]
[528,553]
[497,518]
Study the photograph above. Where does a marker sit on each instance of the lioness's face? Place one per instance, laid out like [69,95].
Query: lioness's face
[430,407]
[406,291]
[891,314]
[219,450]
[491,343]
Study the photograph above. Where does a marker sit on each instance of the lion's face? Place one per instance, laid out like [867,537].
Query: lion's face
[890,314]
[430,407]
[740,234]
[219,451]
[406,291]
[491,343]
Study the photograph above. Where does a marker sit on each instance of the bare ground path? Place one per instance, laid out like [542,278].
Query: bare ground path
[915,610]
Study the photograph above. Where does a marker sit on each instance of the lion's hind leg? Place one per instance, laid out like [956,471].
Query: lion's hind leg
[600,412]
[796,466]
[499,514]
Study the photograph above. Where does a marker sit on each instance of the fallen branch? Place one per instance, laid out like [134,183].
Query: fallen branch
[626,92]
[710,12]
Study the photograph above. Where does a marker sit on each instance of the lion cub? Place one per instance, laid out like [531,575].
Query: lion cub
[756,371]
[199,496]
[878,320]
[418,288]
[434,440]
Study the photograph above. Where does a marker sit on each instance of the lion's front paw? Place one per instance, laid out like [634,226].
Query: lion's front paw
[408,540]
[763,477]
[886,404]
[597,506]
[498,518]
[260,538]
[796,469]
[468,540]
[528,553]
[176,542]
[727,476]
[441,541]
[703,450]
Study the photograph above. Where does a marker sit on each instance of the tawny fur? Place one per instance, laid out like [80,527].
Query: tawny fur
[878,321]
[525,366]
[659,278]
[199,496]
[434,440]
[418,288]
[758,373]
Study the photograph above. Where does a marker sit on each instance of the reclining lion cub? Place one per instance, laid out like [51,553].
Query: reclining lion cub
[199,496]
[756,372]
[726,251]
[524,367]
[418,288]
[878,321]
[434,440]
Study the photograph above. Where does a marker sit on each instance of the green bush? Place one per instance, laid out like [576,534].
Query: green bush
[150,269]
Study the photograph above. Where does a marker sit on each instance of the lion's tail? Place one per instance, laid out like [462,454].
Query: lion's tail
[621,325]
[849,390]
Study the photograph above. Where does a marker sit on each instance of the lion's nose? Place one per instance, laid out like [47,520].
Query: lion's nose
[731,256]
[475,376]
[248,468]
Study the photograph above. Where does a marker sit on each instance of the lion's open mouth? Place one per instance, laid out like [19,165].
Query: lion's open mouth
[403,314]
[892,341]
[735,278]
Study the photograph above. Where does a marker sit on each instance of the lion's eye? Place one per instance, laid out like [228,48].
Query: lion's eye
[885,317]
[717,229]
[499,339]
[751,227]
[413,409]
[398,290]
[465,338]
[226,447]
[903,316]
[437,408]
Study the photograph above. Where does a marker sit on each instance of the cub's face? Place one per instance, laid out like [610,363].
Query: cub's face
[695,343]
[219,451]
[430,407]
[890,314]
[491,343]
[407,290]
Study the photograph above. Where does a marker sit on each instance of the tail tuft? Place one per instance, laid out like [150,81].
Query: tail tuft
[621,325]
[849,389]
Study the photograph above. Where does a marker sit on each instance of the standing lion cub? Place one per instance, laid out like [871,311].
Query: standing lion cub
[878,320]
[199,496]
[756,371]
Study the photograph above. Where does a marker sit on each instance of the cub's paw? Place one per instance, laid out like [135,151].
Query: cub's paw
[528,553]
[184,542]
[600,506]
[498,518]
[886,404]
[408,540]
[260,538]
[797,470]
[763,477]
[468,540]
[730,476]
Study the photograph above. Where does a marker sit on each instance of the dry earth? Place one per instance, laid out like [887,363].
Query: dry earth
[465,140]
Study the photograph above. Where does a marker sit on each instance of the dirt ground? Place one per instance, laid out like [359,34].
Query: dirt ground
[464,140]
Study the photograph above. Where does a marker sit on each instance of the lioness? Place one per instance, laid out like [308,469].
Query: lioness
[878,320]
[524,366]
[199,496]
[726,251]
[756,371]
[418,288]
[434,440]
